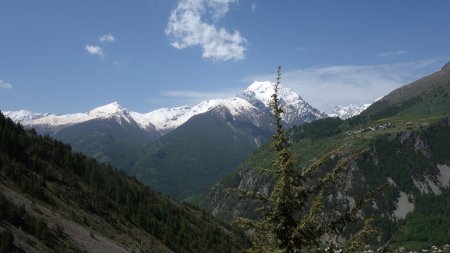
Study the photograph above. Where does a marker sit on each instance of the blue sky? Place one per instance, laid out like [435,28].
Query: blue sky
[71,56]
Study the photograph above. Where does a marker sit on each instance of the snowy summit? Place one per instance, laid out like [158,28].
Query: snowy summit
[252,102]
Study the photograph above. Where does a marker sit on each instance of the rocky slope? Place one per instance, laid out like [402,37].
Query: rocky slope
[407,134]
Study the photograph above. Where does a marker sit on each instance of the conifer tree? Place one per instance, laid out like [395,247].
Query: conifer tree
[291,215]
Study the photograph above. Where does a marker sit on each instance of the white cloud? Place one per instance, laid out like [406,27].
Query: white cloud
[326,87]
[94,50]
[393,53]
[5,85]
[187,27]
[253,8]
[106,38]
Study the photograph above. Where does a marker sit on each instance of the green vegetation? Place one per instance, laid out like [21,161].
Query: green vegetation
[291,216]
[429,224]
[196,155]
[20,218]
[77,186]
[407,134]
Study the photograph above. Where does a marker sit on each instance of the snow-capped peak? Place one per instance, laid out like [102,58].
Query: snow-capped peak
[166,119]
[24,115]
[107,110]
[254,100]
[345,112]
[237,105]
[263,91]
[296,109]
[260,90]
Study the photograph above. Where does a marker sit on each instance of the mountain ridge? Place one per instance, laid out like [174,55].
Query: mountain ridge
[55,200]
[407,138]
[164,120]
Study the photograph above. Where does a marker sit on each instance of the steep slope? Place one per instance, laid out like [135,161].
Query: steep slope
[53,200]
[200,152]
[208,146]
[409,150]
[107,133]
[296,110]
[232,127]
[424,99]
[165,120]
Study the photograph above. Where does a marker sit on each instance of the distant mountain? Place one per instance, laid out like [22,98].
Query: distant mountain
[107,133]
[24,115]
[217,134]
[407,138]
[208,146]
[110,111]
[296,110]
[53,200]
[345,112]
[203,150]
[165,120]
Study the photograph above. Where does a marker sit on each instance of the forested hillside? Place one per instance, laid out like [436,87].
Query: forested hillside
[407,138]
[54,200]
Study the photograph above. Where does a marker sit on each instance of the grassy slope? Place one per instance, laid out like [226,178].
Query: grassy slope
[410,110]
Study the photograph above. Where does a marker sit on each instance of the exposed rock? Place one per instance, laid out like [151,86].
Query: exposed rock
[404,206]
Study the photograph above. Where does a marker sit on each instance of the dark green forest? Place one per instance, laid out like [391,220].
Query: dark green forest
[49,172]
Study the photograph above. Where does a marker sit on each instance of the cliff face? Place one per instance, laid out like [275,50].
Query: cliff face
[414,163]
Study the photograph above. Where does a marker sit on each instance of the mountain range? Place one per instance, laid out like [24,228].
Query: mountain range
[405,137]
[55,200]
[170,148]
[164,120]
[345,112]
[208,153]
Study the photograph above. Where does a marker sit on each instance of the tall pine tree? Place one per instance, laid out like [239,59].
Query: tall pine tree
[291,215]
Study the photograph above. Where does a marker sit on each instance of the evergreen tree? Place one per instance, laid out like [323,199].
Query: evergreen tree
[291,215]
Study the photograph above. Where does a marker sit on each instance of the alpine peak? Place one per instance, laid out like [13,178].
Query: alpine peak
[107,110]
[252,101]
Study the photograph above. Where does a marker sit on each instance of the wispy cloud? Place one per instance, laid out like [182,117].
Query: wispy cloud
[393,53]
[253,8]
[5,85]
[188,27]
[327,86]
[94,50]
[106,38]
